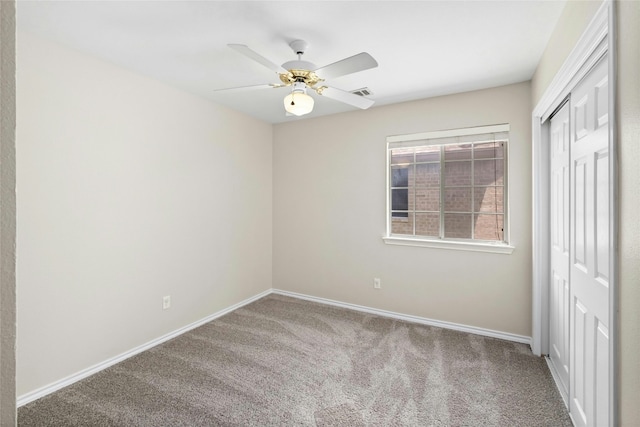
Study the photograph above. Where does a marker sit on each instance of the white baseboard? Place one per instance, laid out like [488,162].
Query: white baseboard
[57,385]
[415,319]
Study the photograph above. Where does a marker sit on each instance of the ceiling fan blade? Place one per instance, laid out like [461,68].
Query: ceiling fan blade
[346,97]
[360,62]
[248,88]
[257,57]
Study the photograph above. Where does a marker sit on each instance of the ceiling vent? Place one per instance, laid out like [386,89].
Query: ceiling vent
[365,91]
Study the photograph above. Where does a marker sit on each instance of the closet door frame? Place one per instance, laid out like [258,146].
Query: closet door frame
[598,39]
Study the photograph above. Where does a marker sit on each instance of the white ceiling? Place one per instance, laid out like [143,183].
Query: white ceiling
[424,48]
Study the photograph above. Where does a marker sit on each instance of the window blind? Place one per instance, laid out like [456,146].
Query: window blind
[492,133]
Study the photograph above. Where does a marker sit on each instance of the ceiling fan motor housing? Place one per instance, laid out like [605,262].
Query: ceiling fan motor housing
[299,65]
[299,71]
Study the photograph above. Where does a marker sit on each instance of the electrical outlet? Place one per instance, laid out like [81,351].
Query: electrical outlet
[166,302]
[376,283]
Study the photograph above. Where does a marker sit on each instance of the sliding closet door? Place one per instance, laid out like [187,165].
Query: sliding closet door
[559,289]
[589,249]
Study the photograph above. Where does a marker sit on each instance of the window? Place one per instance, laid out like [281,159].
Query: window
[448,188]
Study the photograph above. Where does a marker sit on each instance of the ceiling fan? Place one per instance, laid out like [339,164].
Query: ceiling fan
[302,75]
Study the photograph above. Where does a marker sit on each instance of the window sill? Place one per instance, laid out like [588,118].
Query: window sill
[497,248]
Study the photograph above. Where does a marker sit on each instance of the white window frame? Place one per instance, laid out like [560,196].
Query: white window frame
[446,137]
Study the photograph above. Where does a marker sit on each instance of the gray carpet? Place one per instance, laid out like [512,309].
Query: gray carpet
[284,361]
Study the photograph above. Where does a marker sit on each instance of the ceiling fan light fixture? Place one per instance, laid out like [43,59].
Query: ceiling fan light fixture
[298,102]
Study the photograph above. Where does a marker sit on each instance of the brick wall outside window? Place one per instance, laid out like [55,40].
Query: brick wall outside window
[473,191]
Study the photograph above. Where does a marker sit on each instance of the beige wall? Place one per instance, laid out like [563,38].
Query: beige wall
[572,23]
[329,215]
[574,19]
[7,213]
[629,180]
[129,190]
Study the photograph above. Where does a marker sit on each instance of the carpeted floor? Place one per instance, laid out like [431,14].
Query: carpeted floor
[284,361]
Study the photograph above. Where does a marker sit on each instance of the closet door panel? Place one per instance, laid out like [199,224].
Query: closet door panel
[589,249]
[559,292]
